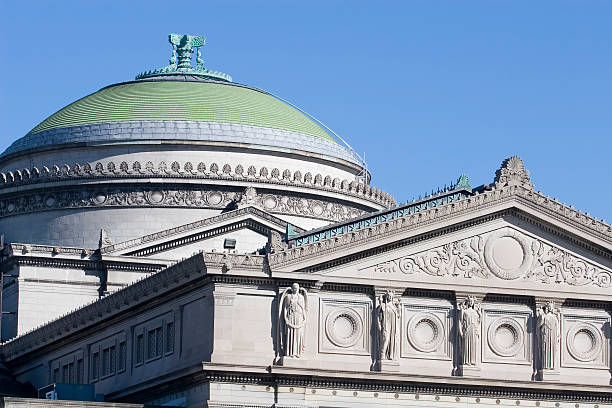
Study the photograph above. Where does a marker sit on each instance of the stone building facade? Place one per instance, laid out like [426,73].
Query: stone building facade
[180,240]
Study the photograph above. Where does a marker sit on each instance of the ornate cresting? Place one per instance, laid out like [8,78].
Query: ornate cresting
[182,48]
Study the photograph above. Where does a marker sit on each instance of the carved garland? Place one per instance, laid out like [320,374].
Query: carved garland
[123,197]
[199,171]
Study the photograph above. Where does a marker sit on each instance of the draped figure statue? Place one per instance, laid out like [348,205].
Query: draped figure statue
[292,322]
[548,335]
[387,314]
[469,331]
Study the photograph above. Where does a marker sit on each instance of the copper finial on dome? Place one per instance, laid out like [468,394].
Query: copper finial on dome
[183,46]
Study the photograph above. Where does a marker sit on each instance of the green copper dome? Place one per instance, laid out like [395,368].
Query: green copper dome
[180,103]
[197,101]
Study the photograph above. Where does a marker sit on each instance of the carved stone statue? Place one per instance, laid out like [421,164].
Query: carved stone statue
[469,331]
[293,319]
[387,314]
[548,336]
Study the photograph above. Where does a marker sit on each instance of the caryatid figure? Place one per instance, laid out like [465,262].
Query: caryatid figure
[548,335]
[294,315]
[469,331]
[387,314]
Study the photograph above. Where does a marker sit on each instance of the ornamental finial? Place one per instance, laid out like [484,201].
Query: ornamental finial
[183,47]
[513,173]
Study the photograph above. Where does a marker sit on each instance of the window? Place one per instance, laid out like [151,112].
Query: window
[122,355]
[113,359]
[95,364]
[80,371]
[68,373]
[139,349]
[154,343]
[56,375]
[169,337]
[104,362]
[65,377]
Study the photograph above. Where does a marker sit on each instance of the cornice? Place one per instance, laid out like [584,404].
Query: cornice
[445,212]
[128,297]
[412,384]
[139,293]
[181,230]
[81,258]
[199,171]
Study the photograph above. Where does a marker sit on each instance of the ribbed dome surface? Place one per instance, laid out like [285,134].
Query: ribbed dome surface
[183,101]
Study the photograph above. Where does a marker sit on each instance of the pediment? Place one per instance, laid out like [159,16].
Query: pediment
[250,226]
[503,254]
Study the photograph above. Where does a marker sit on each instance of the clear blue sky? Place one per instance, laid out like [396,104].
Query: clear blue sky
[427,89]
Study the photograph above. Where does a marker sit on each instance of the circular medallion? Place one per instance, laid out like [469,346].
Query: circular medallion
[99,198]
[506,337]
[584,342]
[343,327]
[270,202]
[10,207]
[50,201]
[155,197]
[425,332]
[317,208]
[214,198]
[507,254]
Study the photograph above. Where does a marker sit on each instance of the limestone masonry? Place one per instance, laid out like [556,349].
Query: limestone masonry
[182,240]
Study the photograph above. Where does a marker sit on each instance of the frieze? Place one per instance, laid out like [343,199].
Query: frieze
[504,254]
[191,170]
[189,198]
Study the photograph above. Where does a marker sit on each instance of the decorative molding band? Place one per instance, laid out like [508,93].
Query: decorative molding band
[139,196]
[405,386]
[198,171]
[476,203]
[479,256]
[173,131]
[195,225]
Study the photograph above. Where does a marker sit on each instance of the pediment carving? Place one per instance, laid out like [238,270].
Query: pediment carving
[505,254]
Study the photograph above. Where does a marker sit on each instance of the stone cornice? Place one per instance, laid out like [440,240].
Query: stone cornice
[446,212]
[207,223]
[82,258]
[138,293]
[402,383]
[199,171]
[123,299]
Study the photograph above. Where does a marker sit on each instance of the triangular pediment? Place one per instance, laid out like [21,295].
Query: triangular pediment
[507,248]
[249,226]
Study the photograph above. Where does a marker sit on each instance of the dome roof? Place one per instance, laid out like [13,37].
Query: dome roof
[182,104]
[181,107]
[171,100]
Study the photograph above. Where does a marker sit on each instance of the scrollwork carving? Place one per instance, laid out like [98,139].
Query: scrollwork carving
[506,254]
